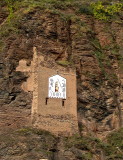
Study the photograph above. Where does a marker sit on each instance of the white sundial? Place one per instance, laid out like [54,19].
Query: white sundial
[57,87]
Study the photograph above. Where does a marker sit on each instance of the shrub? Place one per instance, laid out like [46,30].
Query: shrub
[105,12]
[84,9]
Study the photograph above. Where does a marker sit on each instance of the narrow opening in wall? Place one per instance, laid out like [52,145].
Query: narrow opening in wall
[46,101]
[63,102]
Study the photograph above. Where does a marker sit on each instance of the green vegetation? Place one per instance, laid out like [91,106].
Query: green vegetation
[115,141]
[40,142]
[99,53]
[10,6]
[19,8]
[103,12]
[100,9]
[85,9]
[64,63]
[29,143]
[29,131]
[1,46]
[112,148]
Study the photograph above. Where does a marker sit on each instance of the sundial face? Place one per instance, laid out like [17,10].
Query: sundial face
[57,87]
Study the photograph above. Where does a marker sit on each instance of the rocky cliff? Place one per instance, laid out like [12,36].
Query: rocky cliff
[67,34]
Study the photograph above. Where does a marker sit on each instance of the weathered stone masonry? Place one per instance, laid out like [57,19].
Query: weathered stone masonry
[54,115]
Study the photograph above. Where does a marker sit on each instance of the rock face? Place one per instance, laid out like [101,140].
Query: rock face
[93,48]
[13,118]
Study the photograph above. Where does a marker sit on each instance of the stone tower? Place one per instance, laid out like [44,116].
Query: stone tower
[54,104]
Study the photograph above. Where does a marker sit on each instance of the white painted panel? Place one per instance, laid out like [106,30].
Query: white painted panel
[57,87]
